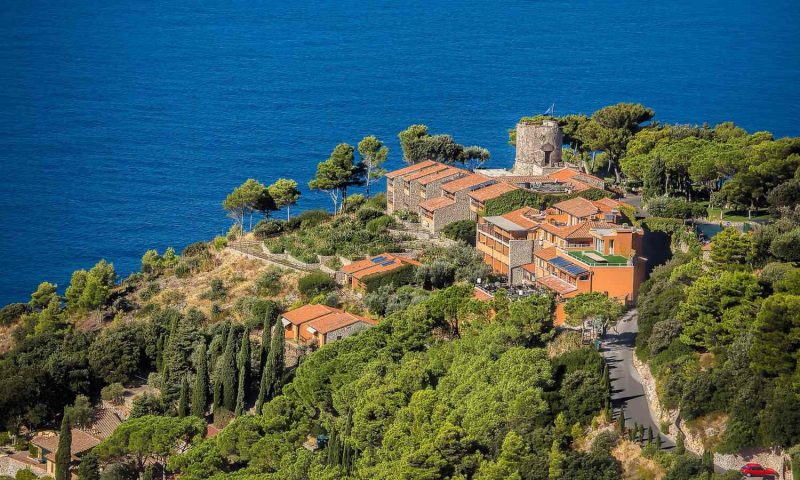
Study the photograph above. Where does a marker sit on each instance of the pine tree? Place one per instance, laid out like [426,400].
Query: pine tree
[183,399]
[89,468]
[227,374]
[273,370]
[64,452]
[244,372]
[680,443]
[621,419]
[555,461]
[200,391]
[266,340]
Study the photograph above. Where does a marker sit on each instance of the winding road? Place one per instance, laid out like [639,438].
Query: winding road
[626,386]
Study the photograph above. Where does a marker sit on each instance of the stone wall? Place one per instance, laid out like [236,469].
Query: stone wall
[345,332]
[772,458]
[10,466]
[520,252]
[446,215]
[532,143]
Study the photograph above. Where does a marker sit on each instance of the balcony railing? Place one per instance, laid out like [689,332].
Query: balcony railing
[488,231]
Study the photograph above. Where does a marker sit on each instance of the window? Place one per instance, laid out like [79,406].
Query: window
[611,247]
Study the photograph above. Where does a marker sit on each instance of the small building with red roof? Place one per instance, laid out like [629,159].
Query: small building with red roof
[357,274]
[318,325]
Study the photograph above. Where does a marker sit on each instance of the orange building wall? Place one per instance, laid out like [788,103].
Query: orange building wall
[617,282]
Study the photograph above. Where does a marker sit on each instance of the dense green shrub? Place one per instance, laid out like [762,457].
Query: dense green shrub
[220,243]
[377,202]
[315,283]
[268,228]
[354,202]
[406,215]
[217,290]
[310,219]
[525,198]
[665,225]
[269,282]
[667,207]
[380,224]
[461,230]
[364,215]
[396,278]
[11,313]
[195,249]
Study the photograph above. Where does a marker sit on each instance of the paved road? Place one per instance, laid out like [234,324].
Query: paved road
[626,386]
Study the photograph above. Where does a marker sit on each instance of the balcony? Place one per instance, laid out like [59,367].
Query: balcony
[487,230]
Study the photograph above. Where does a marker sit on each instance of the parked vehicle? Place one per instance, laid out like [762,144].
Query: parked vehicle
[757,470]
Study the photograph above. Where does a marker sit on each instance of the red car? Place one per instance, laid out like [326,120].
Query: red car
[757,470]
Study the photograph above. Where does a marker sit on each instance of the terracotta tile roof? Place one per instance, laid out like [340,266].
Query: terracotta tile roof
[332,321]
[436,203]
[578,207]
[466,182]
[560,232]
[492,191]
[25,459]
[364,268]
[546,253]
[306,313]
[557,285]
[104,422]
[517,179]
[589,179]
[410,169]
[576,185]
[81,442]
[446,173]
[523,217]
[529,267]
[436,168]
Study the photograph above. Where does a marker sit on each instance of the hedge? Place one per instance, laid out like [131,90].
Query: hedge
[397,277]
[659,224]
[525,198]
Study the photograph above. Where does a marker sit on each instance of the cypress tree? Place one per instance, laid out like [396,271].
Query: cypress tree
[641,433]
[200,391]
[228,372]
[64,452]
[244,372]
[680,443]
[658,441]
[273,371]
[632,434]
[621,419]
[266,340]
[183,399]
[650,435]
[89,469]
[160,353]
[708,461]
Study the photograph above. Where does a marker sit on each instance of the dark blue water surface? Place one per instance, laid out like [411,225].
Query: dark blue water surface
[123,124]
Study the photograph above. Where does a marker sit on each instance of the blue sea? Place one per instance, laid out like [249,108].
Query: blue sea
[123,124]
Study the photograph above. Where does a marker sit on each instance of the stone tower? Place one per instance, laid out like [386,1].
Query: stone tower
[538,148]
